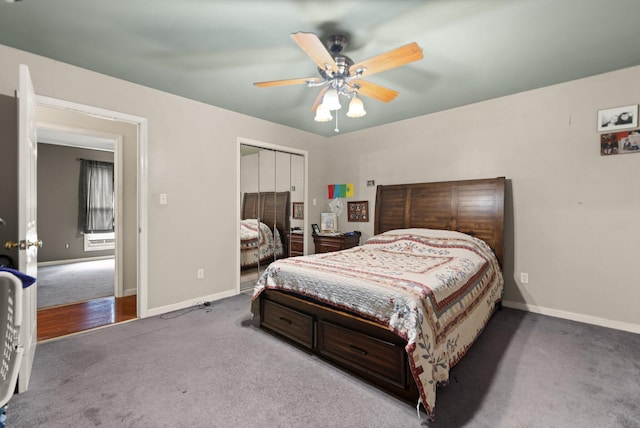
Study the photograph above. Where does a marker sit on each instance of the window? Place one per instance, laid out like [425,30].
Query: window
[96,196]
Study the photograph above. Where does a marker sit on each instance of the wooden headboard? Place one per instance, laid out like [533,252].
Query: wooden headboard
[272,208]
[474,207]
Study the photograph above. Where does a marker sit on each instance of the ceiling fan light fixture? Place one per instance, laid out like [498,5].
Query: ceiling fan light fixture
[323,114]
[331,100]
[356,107]
[340,76]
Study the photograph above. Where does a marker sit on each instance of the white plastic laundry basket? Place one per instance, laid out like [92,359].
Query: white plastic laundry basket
[10,322]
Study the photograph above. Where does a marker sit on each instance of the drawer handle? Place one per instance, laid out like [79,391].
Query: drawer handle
[286,320]
[358,350]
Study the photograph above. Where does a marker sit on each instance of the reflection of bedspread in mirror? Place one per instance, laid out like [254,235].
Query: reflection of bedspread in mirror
[258,244]
[436,289]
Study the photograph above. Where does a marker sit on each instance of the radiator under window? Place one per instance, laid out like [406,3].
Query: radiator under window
[99,241]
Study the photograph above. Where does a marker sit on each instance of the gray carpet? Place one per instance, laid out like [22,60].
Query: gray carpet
[211,367]
[75,282]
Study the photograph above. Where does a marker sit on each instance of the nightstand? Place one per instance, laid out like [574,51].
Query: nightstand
[327,244]
[296,244]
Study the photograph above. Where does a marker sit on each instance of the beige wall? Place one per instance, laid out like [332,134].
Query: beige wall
[193,158]
[572,215]
[571,220]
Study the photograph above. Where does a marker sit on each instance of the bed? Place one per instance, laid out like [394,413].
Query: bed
[375,310]
[264,228]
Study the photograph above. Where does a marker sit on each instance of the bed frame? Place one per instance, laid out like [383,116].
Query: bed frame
[366,348]
[273,209]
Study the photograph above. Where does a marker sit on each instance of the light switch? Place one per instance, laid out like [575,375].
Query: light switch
[163,199]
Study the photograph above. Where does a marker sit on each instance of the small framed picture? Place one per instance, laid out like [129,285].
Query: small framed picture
[614,119]
[620,143]
[315,228]
[328,222]
[358,211]
[298,210]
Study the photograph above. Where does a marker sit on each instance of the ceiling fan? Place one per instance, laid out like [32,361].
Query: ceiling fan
[341,76]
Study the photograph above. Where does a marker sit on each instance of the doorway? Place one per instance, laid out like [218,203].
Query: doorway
[69,270]
[126,136]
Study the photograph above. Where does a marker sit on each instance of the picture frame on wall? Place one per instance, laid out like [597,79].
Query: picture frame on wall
[614,119]
[620,143]
[298,210]
[358,211]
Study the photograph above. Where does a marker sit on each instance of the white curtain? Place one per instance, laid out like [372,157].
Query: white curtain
[96,196]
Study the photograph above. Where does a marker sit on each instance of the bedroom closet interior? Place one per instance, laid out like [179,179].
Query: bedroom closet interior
[272,197]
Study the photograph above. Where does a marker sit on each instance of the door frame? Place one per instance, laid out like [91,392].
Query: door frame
[141,181]
[260,144]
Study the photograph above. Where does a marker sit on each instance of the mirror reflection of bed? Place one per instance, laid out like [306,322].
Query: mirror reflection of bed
[270,181]
[264,228]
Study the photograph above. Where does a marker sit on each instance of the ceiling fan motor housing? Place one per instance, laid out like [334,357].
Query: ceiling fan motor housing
[336,43]
[343,62]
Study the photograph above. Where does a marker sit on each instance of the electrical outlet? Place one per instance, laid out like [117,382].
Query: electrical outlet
[524,277]
[200,273]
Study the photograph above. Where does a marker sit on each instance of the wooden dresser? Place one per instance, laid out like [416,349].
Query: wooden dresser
[327,244]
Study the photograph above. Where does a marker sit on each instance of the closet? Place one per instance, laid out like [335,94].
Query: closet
[271,208]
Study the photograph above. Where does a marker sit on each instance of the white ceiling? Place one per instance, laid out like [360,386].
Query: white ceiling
[213,51]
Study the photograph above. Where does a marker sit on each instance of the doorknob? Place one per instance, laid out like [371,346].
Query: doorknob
[10,244]
[23,244]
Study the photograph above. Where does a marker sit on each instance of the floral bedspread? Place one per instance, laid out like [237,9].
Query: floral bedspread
[436,289]
[257,243]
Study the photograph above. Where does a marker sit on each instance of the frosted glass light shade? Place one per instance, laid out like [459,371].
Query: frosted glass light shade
[323,114]
[356,108]
[331,100]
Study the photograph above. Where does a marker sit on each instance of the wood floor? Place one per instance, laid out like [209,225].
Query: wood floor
[63,320]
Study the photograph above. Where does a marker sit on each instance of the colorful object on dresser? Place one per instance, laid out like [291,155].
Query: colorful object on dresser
[340,191]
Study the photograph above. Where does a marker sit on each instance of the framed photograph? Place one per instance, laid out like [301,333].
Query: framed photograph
[315,228]
[617,118]
[620,143]
[358,211]
[298,210]
[328,222]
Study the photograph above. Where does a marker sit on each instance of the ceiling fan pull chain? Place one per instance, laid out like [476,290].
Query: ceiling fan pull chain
[337,130]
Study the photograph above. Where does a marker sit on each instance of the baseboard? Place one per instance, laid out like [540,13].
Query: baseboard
[587,319]
[189,303]
[64,262]
[130,292]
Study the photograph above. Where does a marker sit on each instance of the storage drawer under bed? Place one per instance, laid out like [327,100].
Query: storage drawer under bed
[287,322]
[382,359]
[364,348]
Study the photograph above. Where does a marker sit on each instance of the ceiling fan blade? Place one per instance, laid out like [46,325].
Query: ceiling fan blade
[318,100]
[375,91]
[395,58]
[285,82]
[312,46]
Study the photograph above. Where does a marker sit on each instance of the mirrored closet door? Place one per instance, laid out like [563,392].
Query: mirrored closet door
[272,197]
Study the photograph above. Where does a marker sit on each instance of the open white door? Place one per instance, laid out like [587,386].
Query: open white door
[27,219]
